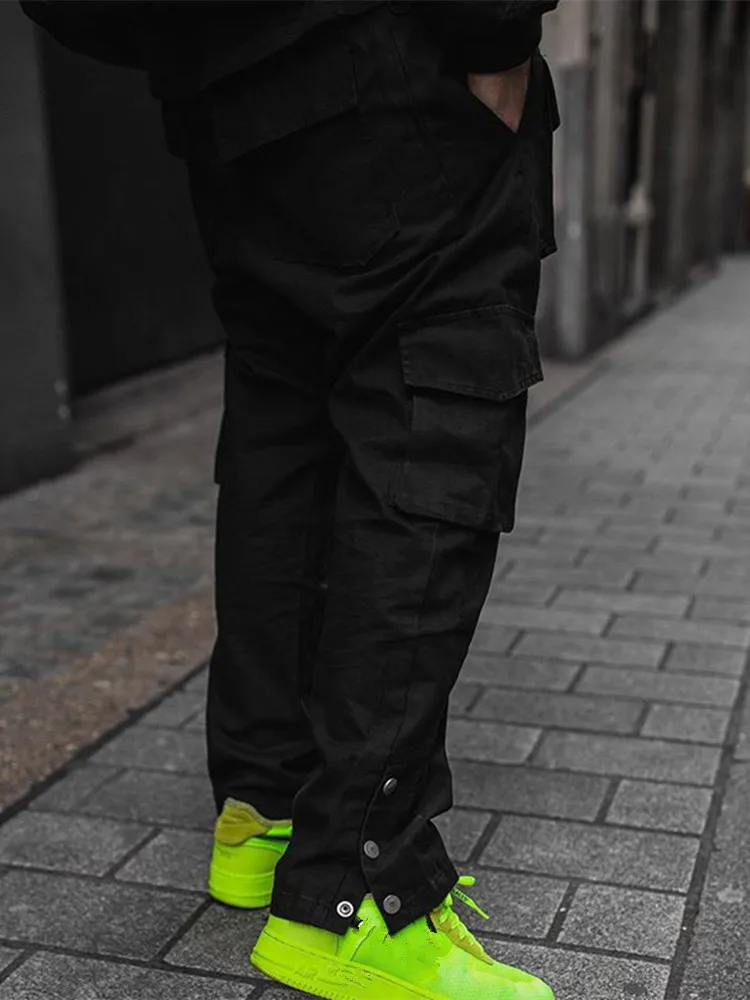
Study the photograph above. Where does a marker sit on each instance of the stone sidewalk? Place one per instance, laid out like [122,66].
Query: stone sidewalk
[597,734]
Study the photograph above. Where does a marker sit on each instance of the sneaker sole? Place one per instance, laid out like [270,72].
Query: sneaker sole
[324,976]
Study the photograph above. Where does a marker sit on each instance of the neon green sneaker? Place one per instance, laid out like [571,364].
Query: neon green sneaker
[247,848]
[435,958]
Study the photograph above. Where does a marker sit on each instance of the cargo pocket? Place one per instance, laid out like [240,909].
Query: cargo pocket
[466,376]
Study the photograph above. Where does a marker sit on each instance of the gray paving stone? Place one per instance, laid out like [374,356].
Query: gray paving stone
[578,976]
[494,639]
[676,808]
[706,633]
[611,577]
[461,829]
[65,977]
[623,603]
[525,554]
[66,843]
[693,513]
[174,711]
[604,543]
[628,756]
[494,742]
[522,905]
[519,672]
[530,594]
[198,684]
[644,526]
[559,711]
[714,608]
[280,993]
[679,688]
[546,619]
[522,790]
[72,788]
[595,853]
[220,941]
[569,647]
[177,859]
[708,550]
[197,724]
[462,696]
[153,797]
[560,524]
[156,749]
[673,583]
[625,920]
[706,660]
[98,917]
[644,562]
[676,722]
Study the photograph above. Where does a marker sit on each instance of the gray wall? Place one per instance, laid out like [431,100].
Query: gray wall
[136,284]
[35,432]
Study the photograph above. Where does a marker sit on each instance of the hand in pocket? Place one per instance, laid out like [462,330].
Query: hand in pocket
[503,93]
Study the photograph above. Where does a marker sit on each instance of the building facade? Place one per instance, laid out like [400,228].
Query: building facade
[102,275]
[652,158]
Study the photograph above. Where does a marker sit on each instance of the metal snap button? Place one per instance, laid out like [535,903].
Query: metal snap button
[345,909]
[372,850]
[390,786]
[391,904]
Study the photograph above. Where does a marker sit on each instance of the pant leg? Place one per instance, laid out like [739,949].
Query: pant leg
[408,232]
[274,466]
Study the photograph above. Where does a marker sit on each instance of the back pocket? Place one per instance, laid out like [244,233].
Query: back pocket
[466,376]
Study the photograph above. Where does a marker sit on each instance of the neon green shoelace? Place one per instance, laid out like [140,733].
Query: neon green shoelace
[446,918]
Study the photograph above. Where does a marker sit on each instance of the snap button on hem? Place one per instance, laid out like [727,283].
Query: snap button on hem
[391,905]
[345,909]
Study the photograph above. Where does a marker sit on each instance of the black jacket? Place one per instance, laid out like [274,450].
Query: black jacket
[187,45]
[202,56]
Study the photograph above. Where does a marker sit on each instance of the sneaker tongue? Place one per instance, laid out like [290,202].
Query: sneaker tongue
[239,822]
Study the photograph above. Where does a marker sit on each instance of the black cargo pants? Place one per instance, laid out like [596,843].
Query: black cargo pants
[377,264]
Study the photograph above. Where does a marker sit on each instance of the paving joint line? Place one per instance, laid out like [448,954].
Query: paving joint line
[25,954]
[183,929]
[609,796]
[705,851]
[147,964]
[483,840]
[518,765]
[558,921]
[149,837]
[575,949]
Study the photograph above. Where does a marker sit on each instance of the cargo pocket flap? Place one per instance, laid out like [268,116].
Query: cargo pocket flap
[488,353]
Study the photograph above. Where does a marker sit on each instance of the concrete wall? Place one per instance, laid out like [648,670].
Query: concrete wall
[137,287]
[35,430]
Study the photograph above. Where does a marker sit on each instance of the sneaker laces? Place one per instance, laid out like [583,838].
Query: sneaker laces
[448,921]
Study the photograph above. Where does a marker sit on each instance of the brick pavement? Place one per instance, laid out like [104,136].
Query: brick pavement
[593,732]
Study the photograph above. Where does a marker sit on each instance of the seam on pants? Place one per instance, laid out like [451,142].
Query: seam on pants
[419,614]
